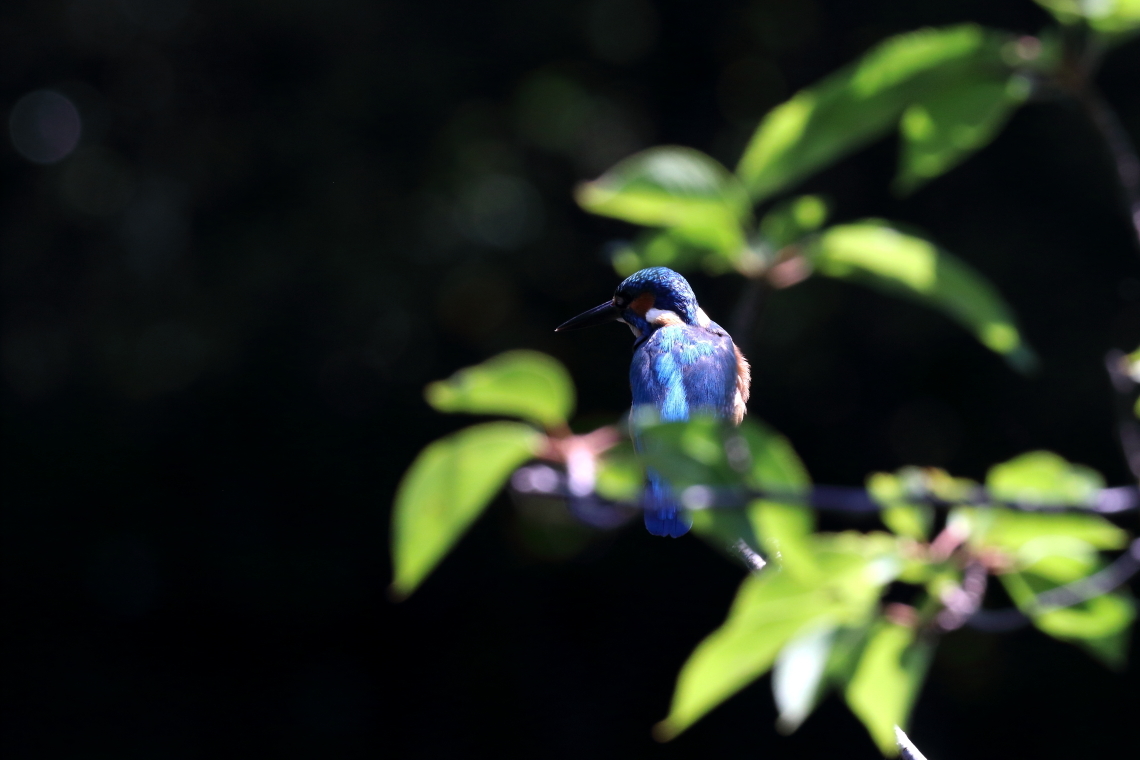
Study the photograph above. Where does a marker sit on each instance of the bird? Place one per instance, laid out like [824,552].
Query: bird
[683,364]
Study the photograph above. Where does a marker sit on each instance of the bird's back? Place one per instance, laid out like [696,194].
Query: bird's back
[680,370]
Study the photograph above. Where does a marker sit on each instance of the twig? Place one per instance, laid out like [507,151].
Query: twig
[1127,427]
[1124,157]
[906,747]
[748,310]
[546,480]
[965,600]
[1109,579]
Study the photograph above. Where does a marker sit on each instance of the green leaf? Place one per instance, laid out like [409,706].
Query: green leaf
[773,607]
[1011,529]
[903,517]
[880,256]
[1095,618]
[785,530]
[940,130]
[690,453]
[620,475]
[675,187]
[446,488]
[1100,625]
[859,103]
[1113,17]
[705,453]
[667,248]
[525,384]
[797,677]
[887,681]
[789,221]
[769,609]
[774,465]
[1044,478]
[693,458]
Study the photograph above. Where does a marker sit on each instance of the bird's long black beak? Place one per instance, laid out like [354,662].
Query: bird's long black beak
[599,315]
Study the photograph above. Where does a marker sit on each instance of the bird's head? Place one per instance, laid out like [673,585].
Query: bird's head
[646,300]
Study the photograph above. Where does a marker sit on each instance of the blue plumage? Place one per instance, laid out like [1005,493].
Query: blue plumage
[683,364]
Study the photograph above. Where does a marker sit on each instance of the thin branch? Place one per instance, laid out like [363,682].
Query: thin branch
[962,602]
[1109,579]
[541,479]
[1125,159]
[1127,427]
[748,310]
[906,747]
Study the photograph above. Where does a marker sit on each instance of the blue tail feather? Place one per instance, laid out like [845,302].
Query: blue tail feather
[663,516]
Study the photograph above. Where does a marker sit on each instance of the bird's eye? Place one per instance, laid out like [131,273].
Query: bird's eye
[620,301]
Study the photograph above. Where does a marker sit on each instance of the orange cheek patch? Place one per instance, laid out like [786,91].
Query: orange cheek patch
[642,304]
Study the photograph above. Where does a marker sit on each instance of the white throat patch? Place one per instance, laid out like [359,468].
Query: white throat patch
[663,317]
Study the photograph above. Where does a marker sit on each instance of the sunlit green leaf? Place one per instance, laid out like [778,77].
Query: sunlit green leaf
[620,475]
[787,222]
[797,676]
[1093,619]
[690,453]
[1012,529]
[880,256]
[1100,625]
[785,530]
[667,248]
[859,103]
[900,513]
[887,681]
[1057,558]
[1108,16]
[1043,478]
[675,187]
[846,649]
[525,384]
[692,457]
[942,128]
[774,465]
[770,609]
[704,453]
[446,488]
[725,529]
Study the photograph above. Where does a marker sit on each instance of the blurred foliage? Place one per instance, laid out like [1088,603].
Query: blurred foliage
[816,617]
[524,384]
[950,90]
[239,238]
[886,259]
[446,488]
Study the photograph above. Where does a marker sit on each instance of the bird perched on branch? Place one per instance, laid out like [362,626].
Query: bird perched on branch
[683,364]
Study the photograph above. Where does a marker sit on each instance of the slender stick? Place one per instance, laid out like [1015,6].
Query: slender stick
[1128,428]
[748,309]
[1078,80]
[1124,156]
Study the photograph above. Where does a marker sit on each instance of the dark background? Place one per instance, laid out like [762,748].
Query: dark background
[285,217]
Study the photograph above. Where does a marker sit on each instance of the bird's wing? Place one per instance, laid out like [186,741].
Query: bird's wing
[677,371]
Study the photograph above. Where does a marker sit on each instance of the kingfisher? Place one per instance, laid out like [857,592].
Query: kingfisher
[683,364]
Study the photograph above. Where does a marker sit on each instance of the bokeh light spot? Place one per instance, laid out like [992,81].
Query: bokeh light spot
[44,126]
